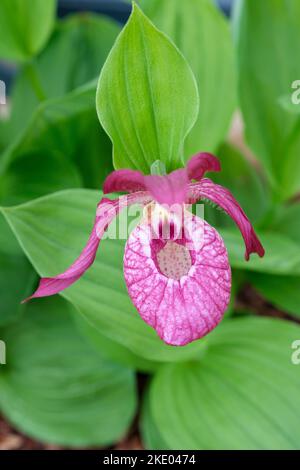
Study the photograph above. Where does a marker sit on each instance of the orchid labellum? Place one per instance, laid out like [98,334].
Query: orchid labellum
[179,281]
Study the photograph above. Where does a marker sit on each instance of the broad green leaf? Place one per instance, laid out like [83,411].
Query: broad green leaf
[282,254]
[244,394]
[150,434]
[76,53]
[287,221]
[111,349]
[287,103]
[24,28]
[282,291]
[49,120]
[147,98]
[52,232]
[17,277]
[8,242]
[57,388]
[261,27]
[200,31]
[291,167]
[60,133]
[35,174]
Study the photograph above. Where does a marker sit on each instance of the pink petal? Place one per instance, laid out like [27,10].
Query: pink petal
[107,210]
[124,181]
[169,189]
[221,196]
[200,164]
[180,290]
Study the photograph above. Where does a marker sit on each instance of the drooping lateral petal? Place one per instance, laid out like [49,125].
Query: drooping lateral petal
[168,189]
[107,210]
[199,164]
[180,290]
[222,197]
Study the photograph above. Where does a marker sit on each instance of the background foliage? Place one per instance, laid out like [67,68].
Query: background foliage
[72,361]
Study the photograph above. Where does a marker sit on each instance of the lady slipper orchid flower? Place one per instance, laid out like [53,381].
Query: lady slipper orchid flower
[180,285]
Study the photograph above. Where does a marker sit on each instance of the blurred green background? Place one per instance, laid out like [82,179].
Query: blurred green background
[82,369]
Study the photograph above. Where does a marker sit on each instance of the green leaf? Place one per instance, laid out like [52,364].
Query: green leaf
[201,32]
[287,104]
[76,52]
[17,277]
[111,349]
[264,79]
[282,255]
[245,183]
[150,434]
[56,388]
[25,30]
[244,394]
[45,156]
[147,98]
[35,174]
[64,127]
[282,291]
[52,232]
[287,222]
[8,242]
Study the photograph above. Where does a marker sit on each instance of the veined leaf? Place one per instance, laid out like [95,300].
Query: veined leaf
[114,351]
[17,277]
[52,232]
[75,52]
[8,242]
[57,388]
[243,394]
[37,173]
[24,29]
[61,131]
[282,254]
[287,221]
[264,79]
[282,291]
[65,128]
[147,98]
[202,34]
[150,434]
